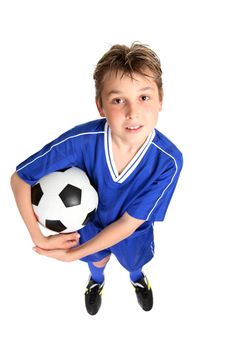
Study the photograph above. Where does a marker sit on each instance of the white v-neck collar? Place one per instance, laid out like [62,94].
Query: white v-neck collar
[132,164]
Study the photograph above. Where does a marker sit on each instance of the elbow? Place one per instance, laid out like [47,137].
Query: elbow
[14,180]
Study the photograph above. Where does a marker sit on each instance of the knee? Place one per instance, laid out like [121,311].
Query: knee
[102,262]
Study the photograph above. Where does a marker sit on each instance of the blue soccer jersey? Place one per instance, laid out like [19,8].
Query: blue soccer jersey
[143,189]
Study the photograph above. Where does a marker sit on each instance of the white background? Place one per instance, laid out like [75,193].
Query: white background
[48,53]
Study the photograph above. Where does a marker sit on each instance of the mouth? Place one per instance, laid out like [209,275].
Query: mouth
[134,127]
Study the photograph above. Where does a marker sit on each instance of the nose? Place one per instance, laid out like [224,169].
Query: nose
[131,111]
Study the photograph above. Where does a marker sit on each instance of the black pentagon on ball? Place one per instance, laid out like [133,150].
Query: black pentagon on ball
[55,225]
[36,194]
[71,196]
[88,217]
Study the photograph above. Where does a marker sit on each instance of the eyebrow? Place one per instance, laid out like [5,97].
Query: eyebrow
[112,92]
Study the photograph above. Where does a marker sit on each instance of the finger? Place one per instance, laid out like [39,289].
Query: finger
[45,252]
[73,241]
[38,250]
[70,244]
[70,237]
[77,238]
[74,236]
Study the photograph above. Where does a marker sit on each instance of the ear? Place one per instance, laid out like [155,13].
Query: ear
[160,100]
[160,105]
[100,109]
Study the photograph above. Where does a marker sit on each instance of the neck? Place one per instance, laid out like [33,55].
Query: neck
[126,146]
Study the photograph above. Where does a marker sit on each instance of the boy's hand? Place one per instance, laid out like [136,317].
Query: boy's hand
[59,254]
[59,241]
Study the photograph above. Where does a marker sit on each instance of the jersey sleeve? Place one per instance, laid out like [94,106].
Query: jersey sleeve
[63,152]
[152,201]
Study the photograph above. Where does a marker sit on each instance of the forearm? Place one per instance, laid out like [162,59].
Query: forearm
[22,193]
[108,237]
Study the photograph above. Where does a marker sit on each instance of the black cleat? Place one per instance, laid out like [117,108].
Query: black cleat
[93,296]
[144,293]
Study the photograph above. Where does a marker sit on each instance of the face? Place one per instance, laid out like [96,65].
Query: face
[131,107]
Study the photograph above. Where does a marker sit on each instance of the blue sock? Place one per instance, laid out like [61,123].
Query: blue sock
[136,275]
[97,273]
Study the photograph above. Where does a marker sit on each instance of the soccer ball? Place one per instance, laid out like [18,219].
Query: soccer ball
[64,201]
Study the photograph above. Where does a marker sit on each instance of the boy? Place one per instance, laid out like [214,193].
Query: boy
[133,167]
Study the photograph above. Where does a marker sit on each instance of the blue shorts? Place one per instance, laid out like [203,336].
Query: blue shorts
[132,252]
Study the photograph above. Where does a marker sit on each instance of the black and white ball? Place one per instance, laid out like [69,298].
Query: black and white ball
[64,201]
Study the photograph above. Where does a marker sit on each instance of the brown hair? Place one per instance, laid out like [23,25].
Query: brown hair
[128,60]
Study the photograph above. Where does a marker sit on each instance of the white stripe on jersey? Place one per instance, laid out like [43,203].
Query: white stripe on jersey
[57,144]
[133,163]
[169,182]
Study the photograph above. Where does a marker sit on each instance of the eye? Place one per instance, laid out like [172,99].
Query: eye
[145,98]
[117,101]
